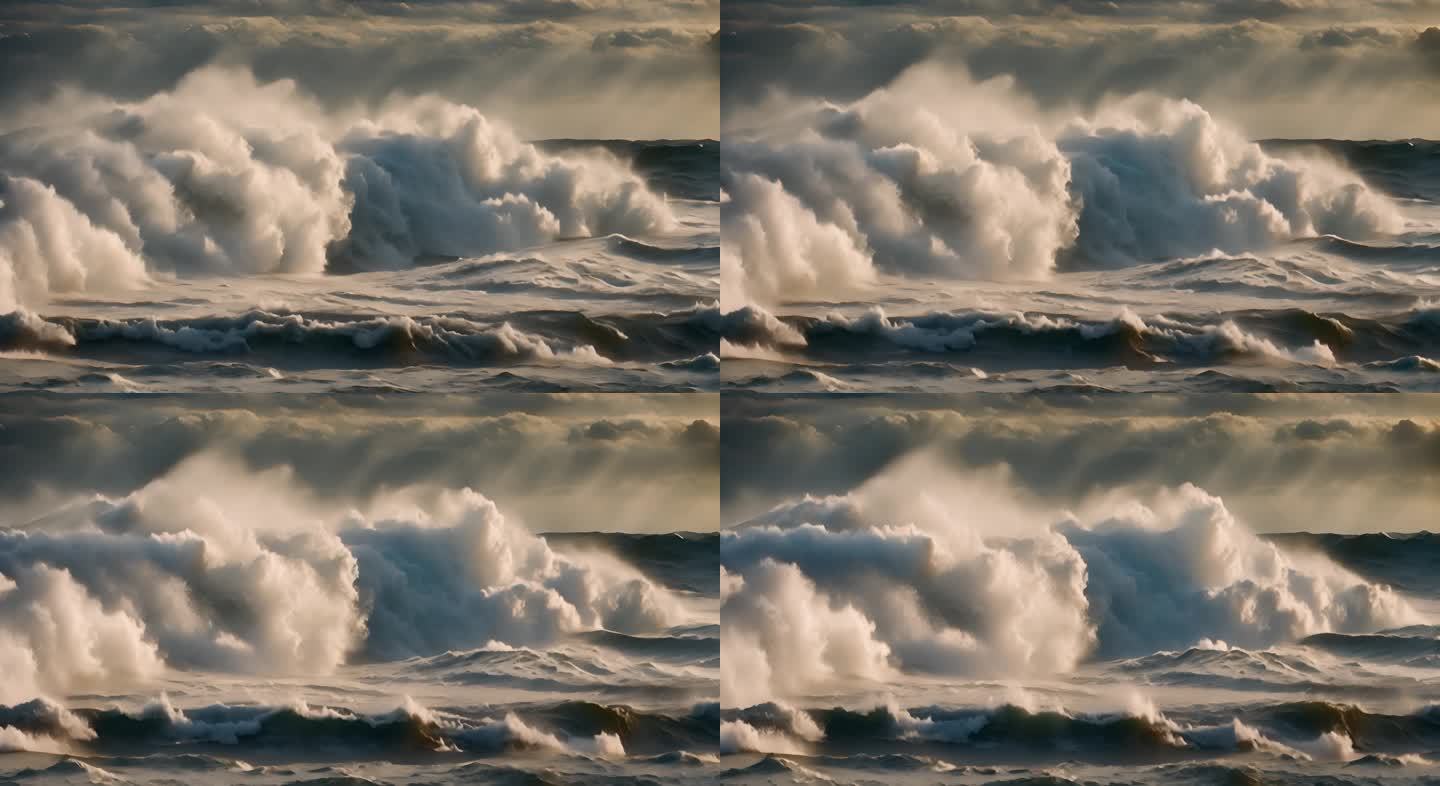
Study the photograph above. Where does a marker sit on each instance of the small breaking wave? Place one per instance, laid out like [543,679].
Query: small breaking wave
[1009,340]
[683,341]
[1299,731]
[576,728]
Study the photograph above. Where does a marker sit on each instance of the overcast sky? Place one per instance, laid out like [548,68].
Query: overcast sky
[1323,463]
[551,68]
[1295,68]
[633,462]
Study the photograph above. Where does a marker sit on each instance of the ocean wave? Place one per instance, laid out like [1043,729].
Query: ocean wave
[1298,731]
[98,193]
[1420,650]
[612,268]
[1219,658]
[1296,669]
[577,728]
[683,339]
[858,588]
[596,662]
[1403,168]
[680,560]
[837,193]
[636,249]
[676,168]
[1299,272]
[1011,340]
[1407,364]
[521,667]
[1403,560]
[190,571]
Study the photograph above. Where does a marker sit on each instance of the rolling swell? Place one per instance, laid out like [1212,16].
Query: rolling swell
[1374,732]
[672,647]
[1405,561]
[643,733]
[680,560]
[1264,672]
[1409,169]
[1233,659]
[1008,725]
[635,249]
[1421,649]
[679,168]
[649,666]
[552,670]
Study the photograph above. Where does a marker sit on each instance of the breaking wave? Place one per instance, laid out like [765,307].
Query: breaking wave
[1001,340]
[99,194]
[685,339]
[897,182]
[1303,731]
[575,728]
[215,567]
[893,579]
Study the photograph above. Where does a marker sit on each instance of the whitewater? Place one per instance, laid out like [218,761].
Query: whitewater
[252,610]
[932,624]
[234,234]
[902,242]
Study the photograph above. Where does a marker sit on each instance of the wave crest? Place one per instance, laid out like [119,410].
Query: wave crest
[901,183]
[212,566]
[97,193]
[899,575]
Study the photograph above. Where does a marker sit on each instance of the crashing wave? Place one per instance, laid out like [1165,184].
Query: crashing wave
[97,193]
[193,570]
[999,339]
[854,588]
[576,728]
[897,182]
[1303,731]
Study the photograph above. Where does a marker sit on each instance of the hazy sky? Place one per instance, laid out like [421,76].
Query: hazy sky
[1298,68]
[551,68]
[1323,463]
[632,463]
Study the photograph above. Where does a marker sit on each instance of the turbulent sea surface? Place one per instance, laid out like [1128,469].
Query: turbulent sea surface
[608,311]
[1359,707]
[1356,306]
[591,707]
